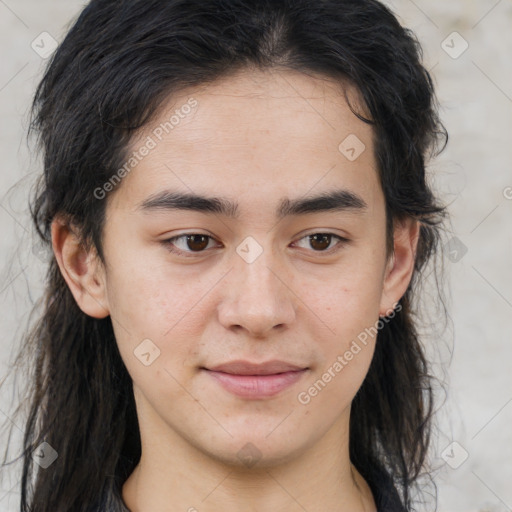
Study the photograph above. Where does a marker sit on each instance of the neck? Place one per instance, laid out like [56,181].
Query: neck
[175,475]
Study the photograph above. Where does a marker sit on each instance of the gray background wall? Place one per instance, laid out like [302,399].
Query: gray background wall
[473,175]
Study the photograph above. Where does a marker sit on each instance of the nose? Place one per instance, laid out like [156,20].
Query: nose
[258,296]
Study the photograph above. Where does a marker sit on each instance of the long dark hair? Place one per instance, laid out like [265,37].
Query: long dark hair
[117,65]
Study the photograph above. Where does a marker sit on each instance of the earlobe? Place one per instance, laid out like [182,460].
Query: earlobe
[400,267]
[81,269]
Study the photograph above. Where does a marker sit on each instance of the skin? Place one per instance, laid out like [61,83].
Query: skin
[254,138]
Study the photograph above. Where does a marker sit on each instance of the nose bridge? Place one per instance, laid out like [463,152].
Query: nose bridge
[257,298]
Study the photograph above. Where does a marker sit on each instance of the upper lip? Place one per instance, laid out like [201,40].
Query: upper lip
[240,367]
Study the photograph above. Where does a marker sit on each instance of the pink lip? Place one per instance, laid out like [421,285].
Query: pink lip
[252,380]
[240,367]
[256,386]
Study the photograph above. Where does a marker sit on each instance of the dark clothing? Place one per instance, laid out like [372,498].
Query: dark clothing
[384,492]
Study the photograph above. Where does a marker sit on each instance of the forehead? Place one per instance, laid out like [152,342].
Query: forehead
[256,137]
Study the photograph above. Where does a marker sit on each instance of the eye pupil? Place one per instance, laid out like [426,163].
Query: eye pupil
[198,242]
[325,240]
[192,239]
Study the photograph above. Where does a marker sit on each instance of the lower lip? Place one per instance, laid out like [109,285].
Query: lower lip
[256,386]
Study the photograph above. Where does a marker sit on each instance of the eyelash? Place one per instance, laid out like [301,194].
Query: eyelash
[190,254]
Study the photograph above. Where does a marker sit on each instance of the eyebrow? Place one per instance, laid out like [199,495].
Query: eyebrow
[335,200]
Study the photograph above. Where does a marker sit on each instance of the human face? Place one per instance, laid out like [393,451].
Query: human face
[260,288]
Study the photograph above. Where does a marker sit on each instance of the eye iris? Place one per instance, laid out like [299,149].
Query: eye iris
[198,242]
[192,240]
[325,240]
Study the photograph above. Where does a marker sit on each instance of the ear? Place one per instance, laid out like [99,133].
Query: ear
[82,270]
[400,266]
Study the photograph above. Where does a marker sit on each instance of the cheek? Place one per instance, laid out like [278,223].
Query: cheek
[149,300]
[349,301]
[150,303]
[346,355]
[350,310]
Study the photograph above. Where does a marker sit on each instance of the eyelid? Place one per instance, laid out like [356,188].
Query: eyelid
[191,254]
[342,241]
[188,254]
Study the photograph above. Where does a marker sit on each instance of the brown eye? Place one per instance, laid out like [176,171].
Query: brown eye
[322,242]
[197,242]
[188,243]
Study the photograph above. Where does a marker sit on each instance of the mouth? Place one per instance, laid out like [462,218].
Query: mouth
[240,367]
[256,381]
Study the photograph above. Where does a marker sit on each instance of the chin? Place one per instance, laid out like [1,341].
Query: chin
[253,452]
